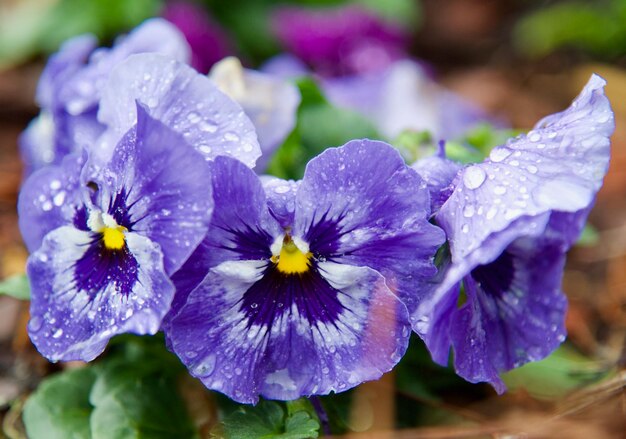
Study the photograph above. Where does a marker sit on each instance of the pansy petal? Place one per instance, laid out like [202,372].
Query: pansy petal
[361,205]
[241,227]
[349,329]
[179,97]
[37,143]
[559,166]
[515,312]
[270,102]
[164,185]
[72,55]
[73,314]
[438,173]
[83,92]
[49,199]
[281,198]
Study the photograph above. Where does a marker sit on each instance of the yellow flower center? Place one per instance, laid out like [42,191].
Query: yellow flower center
[291,259]
[113,237]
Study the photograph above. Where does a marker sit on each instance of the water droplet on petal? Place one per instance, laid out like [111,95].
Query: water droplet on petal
[58,333]
[499,190]
[35,324]
[474,177]
[206,367]
[499,154]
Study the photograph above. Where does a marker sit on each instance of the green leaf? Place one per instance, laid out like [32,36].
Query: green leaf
[139,399]
[60,408]
[16,286]
[43,30]
[564,370]
[267,420]
[592,27]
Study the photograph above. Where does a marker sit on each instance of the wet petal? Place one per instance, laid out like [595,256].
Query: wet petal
[241,227]
[75,313]
[181,98]
[438,173]
[49,199]
[346,330]
[515,312]
[361,205]
[164,185]
[559,166]
[281,198]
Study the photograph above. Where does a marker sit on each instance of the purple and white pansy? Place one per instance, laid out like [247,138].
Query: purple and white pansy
[300,282]
[509,222]
[112,240]
[110,225]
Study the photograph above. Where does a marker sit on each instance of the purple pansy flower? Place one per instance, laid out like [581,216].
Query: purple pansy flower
[111,238]
[301,294]
[509,222]
[207,40]
[340,41]
[270,102]
[106,233]
[70,86]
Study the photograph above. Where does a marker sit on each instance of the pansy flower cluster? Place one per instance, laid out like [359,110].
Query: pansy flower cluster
[143,212]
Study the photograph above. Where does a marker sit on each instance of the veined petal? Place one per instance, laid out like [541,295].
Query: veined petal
[164,185]
[347,329]
[241,226]
[49,199]
[559,166]
[515,312]
[361,205]
[73,320]
[181,98]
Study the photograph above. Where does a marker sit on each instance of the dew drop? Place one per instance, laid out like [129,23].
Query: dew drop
[499,190]
[59,199]
[474,177]
[35,324]
[468,211]
[499,154]
[206,367]
[231,137]
[58,333]
[532,169]
[534,137]
[207,127]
